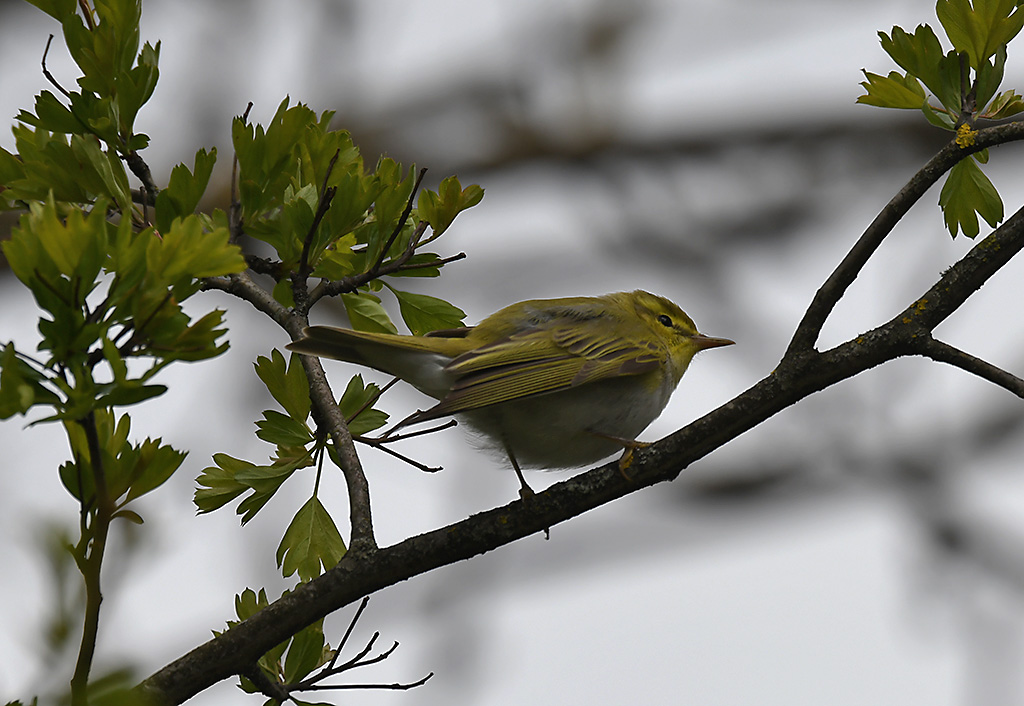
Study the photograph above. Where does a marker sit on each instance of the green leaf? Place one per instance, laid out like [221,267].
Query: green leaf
[305,653]
[265,482]
[287,383]
[52,115]
[21,386]
[311,540]
[892,91]
[46,244]
[920,54]
[423,313]
[1005,105]
[130,392]
[184,189]
[390,203]
[218,485]
[156,463]
[282,430]
[357,397]
[339,260]
[57,9]
[107,166]
[231,477]
[440,209]
[130,515]
[248,603]
[186,252]
[982,29]
[937,118]
[966,194]
[366,314]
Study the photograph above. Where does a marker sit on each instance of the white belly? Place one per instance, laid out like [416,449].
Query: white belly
[570,428]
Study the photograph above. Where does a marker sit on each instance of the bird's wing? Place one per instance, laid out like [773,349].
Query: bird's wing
[541,360]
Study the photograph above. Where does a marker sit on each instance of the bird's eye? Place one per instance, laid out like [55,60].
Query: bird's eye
[665,320]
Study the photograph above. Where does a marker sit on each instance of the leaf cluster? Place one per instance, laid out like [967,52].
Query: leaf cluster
[312,539]
[965,81]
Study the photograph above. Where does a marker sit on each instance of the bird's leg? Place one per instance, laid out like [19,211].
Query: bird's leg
[525,491]
[629,446]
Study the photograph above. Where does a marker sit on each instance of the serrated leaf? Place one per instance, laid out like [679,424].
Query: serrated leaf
[966,194]
[106,165]
[248,603]
[184,189]
[338,260]
[218,485]
[282,430]
[57,9]
[1004,105]
[186,251]
[355,398]
[312,540]
[265,482]
[440,208]
[156,463]
[981,29]
[287,383]
[920,55]
[51,115]
[892,91]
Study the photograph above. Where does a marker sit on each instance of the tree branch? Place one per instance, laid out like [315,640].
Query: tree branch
[327,415]
[835,286]
[945,353]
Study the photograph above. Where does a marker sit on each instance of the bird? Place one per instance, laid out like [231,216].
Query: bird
[552,383]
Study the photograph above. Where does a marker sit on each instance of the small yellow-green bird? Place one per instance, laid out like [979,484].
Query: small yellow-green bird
[554,383]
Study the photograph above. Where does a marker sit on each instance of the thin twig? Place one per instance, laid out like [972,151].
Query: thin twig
[401,221]
[235,209]
[140,169]
[439,262]
[327,415]
[48,75]
[381,445]
[348,632]
[391,436]
[372,400]
[242,286]
[395,686]
[323,205]
[945,353]
[351,284]
[92,561]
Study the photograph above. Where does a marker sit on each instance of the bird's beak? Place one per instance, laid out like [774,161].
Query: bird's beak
[703,341]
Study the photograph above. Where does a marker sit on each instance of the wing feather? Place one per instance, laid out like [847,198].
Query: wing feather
[541,360]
